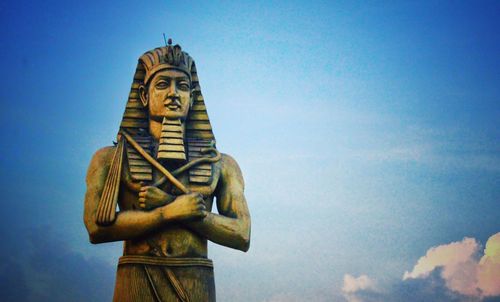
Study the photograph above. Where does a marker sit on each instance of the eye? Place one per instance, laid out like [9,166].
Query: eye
[161,85]
[184,86]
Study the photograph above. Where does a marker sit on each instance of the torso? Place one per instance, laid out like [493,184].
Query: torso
[175,239]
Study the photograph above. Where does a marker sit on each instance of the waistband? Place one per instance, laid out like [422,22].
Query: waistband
[165,261]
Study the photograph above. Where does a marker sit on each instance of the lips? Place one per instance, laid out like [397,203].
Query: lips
[173,105]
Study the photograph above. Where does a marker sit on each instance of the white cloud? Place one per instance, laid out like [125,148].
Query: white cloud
[353,285]
[462,269]
[450,272]
[488,274]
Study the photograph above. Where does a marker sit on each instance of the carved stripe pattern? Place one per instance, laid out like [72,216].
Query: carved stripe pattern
[199,132]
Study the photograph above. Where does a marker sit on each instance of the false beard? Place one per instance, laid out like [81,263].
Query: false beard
[171,144]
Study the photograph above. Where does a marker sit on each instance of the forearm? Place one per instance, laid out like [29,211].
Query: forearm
[227,231]
[128,225]
[132,224]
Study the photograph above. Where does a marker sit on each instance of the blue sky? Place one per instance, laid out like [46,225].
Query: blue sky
[367,133]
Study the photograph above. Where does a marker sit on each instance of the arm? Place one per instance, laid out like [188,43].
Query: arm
[130,224]
[232,227]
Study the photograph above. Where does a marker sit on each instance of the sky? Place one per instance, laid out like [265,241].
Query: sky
[367,132]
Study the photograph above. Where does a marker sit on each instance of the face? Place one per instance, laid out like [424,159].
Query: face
[168,95]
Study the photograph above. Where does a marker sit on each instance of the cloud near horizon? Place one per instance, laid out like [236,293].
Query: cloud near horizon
[463,271]
[352,285]
[448,272]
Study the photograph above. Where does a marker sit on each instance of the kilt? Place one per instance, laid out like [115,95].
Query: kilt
[164,279]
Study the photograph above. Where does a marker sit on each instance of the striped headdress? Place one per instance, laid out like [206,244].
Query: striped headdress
[198,134]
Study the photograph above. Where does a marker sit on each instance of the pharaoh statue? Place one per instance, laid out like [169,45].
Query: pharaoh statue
[155,188]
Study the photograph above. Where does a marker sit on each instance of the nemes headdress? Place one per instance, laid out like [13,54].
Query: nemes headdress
[135,124]
[165,57]
[135,119]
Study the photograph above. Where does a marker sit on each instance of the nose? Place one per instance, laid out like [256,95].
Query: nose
[172,92]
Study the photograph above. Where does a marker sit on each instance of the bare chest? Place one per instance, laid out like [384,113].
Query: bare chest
[175,239]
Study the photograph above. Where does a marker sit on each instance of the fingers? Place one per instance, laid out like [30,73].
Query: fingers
[142,197]
[198,200]
[142,202]
[195,194]
[150,196]
[201,207]
[197,205]
[148,188]
[198,197]
[200,214]
[201,201]
[146,191]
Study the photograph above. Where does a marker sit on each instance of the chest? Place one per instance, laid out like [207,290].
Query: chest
[130,188]
[206,189]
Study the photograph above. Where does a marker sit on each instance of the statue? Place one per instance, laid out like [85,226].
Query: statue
[155,188]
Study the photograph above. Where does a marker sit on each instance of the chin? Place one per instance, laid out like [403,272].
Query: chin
[175,115]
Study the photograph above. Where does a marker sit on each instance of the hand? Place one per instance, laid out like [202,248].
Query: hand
[151,197]
[186,207]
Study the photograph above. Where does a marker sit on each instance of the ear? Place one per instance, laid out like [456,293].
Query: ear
[191,98]
[143,95]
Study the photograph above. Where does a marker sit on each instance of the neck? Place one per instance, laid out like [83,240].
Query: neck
[155,129]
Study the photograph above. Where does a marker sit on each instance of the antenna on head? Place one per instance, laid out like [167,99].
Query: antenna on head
[165,39]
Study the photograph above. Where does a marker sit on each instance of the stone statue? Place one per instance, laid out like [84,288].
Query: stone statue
[155,187]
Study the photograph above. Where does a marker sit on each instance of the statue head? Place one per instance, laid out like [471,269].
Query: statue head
[167,95]
[166,90]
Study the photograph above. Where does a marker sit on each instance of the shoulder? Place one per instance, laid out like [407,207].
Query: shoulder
[100,161]
[230,170]
[102,156]
[228,163]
